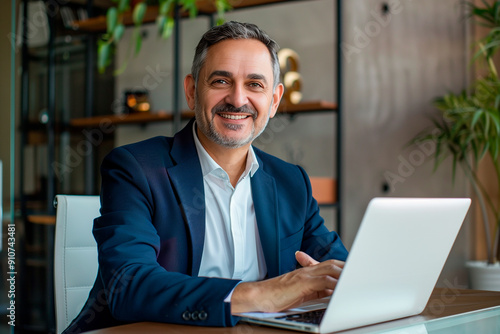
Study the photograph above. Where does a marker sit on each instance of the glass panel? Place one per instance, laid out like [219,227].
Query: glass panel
[483,321]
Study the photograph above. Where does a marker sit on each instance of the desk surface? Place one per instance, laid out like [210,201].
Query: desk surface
[447,308]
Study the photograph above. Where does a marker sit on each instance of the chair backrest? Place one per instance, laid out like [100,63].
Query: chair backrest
[75,255]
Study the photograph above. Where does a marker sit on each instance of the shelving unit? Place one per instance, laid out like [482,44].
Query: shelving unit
[43,131]
[206,7]
[165,116]
[97,24]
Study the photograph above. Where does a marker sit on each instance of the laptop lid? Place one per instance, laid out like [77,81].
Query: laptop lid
[394,263]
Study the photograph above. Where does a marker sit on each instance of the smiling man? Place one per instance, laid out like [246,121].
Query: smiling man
[233,95]
[200,226]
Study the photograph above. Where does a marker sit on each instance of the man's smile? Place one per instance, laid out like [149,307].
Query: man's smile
[234,117]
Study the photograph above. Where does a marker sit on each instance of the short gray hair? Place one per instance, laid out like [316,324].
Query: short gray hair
[234,30]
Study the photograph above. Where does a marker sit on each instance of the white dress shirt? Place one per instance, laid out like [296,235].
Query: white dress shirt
[232,247]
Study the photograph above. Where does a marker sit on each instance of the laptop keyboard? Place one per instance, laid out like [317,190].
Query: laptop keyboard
[311,317]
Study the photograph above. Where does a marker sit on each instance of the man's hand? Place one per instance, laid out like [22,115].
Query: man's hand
[305,260]
[314,280]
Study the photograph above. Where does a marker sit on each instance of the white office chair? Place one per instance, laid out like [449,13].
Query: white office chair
[75,255]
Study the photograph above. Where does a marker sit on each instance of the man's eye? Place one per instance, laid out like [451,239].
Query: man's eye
[219,82]
[255,85]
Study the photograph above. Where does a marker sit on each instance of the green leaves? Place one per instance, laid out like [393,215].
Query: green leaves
[165,22]
[468,128]
[222,7]
[111,19]
[488,15]
[118,33]
[103,55]
[137,18]
[114,33]
[190,7]
[138,13]
[165,7]
[123,5]
[165,26]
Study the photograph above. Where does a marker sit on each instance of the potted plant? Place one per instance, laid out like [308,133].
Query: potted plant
[468,130]
[115,26]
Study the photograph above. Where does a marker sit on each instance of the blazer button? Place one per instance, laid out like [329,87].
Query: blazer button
[194,315]
[186,315]
[203,315]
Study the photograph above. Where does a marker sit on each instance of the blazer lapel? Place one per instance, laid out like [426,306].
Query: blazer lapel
[187,180]
[266,211]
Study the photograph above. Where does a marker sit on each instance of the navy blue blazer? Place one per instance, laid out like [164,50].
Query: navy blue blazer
[151,232]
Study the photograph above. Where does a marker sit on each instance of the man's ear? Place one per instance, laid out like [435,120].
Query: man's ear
[190,90]
[277,95]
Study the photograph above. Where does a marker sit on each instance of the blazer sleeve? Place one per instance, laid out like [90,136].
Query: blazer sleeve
[136,287]
[318,241]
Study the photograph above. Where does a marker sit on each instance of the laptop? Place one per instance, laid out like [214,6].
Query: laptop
[394,263]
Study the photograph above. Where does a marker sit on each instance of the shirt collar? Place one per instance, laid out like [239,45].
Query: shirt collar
[208,165]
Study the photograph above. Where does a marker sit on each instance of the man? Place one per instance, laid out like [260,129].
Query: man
[201,226]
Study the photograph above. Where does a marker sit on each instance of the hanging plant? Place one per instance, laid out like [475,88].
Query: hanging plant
[115,27]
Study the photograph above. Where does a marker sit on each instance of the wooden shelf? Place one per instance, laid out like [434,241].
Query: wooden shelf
[163,116]
[324,190]
[307,107]
[98,24]
[137,118]
[42,219]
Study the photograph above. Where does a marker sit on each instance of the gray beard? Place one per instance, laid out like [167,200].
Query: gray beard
[211,133]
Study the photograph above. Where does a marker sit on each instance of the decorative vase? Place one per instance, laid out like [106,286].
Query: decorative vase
[483,276]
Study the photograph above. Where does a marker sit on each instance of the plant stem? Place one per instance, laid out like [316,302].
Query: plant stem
[474,181]
[492,66]
[489,60]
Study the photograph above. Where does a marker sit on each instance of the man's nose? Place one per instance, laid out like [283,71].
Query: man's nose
[237,96]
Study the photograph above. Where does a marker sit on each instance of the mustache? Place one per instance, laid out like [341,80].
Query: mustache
[226,107]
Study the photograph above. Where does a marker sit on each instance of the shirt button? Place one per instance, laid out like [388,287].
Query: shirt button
[186,315]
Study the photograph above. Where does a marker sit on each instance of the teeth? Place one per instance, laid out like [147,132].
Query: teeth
[233,116]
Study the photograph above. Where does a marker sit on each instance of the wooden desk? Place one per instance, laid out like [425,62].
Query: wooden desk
[443,303]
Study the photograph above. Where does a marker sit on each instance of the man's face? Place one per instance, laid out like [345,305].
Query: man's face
[234,97]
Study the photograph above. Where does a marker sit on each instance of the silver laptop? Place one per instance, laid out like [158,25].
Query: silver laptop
[394,263]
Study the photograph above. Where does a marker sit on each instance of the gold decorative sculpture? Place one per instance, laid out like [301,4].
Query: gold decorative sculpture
[291,78]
